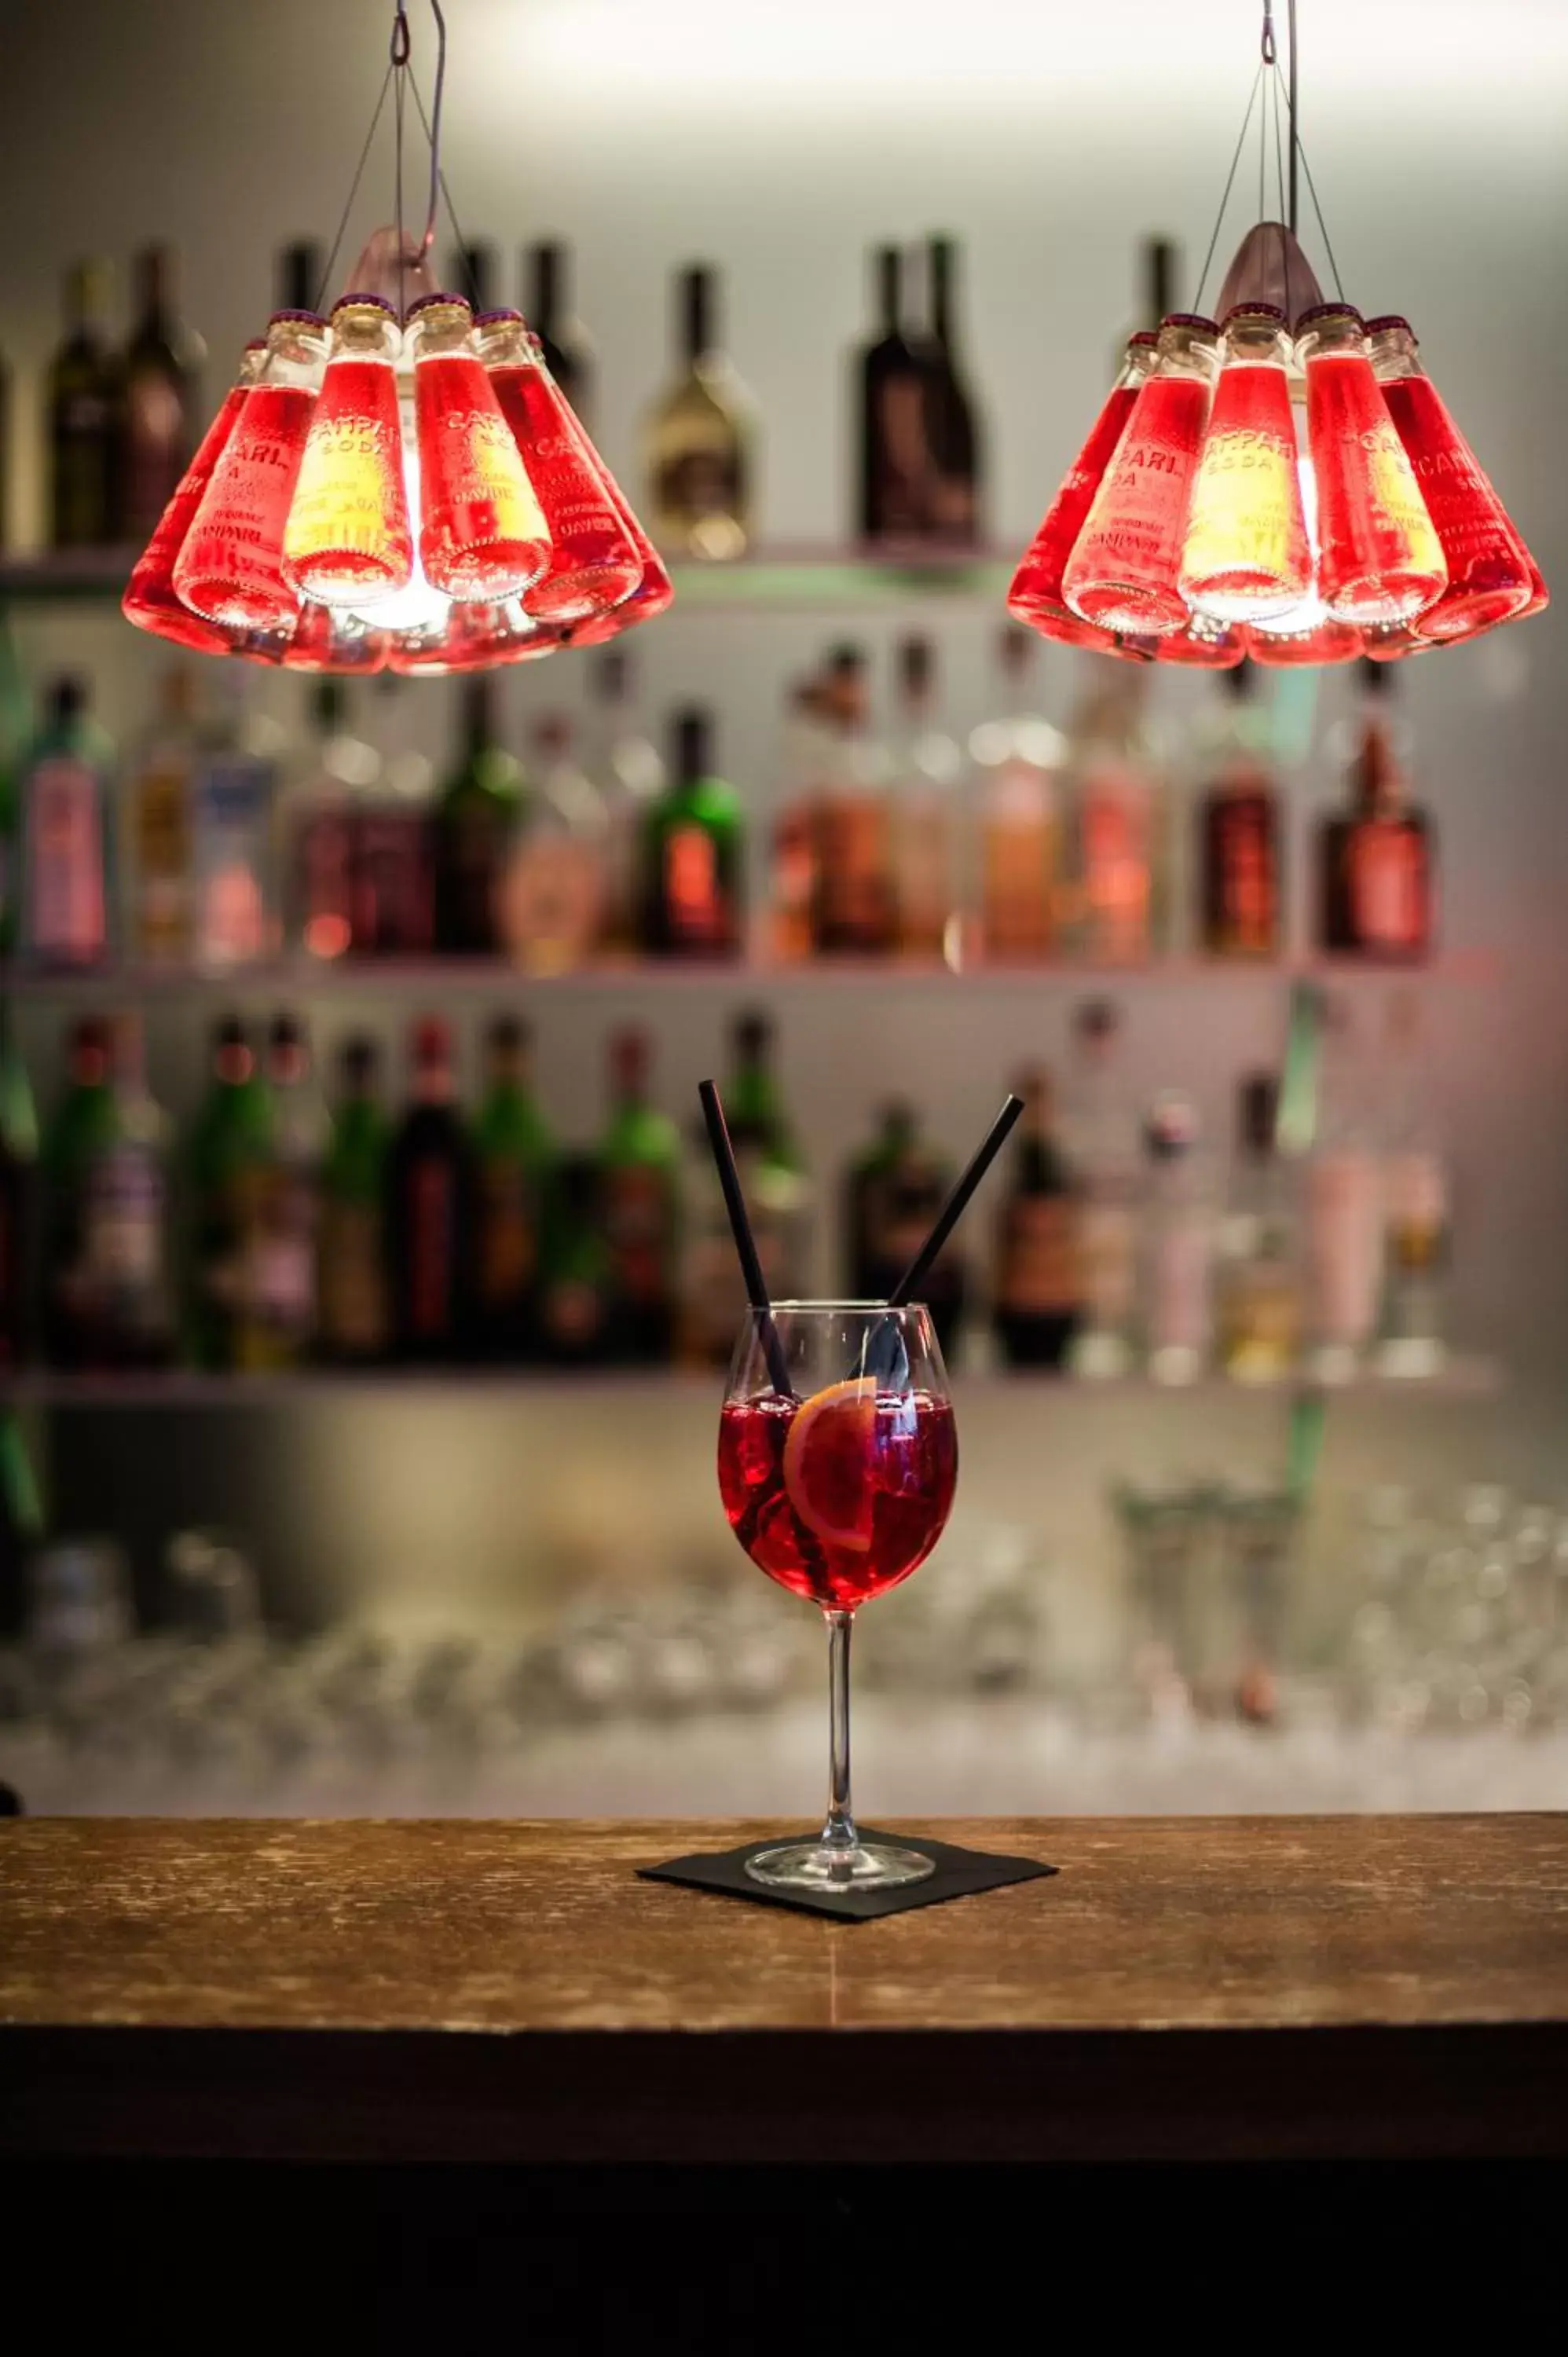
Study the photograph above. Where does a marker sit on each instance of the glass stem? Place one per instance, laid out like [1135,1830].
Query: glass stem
[838,1829]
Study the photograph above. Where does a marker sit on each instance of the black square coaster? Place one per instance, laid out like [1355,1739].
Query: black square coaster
[959,1872]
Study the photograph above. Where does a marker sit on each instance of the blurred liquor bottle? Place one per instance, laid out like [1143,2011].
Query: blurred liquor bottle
[1101,1134]
[18,1199]
[955,510]
[116,1299]
[547,307]
[553,891]
[628,772]
[66,840]
[1417,1197]
[640,1207]
[162,396]
[576,1296]
[693,852]
[1116,806]
[79,1118]
[280,1305]
[854,911]
[1240,852]
[235,884]
[1345,1200]
[226,1156]
[699,439]
[318,826]
[892,372]
[298,276]
[354,1323]
[778,1194]
[431,1197]
[161,794]
[1038,1298]
[1016,812]
[475,816]
[1178,1245]
[924,836]
[515,1156]
[792,841]
[1258,1279]
[892,1191]
[85,402]
[393,878]
[16,728]
[1377,862]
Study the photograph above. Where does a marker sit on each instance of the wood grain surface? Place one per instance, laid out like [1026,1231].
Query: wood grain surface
[1224,1986]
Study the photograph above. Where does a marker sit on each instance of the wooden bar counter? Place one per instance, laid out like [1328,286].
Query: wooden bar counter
[1199,1988]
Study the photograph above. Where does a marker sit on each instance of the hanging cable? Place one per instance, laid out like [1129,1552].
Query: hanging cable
[1230,183]
[353,191]
[461,242]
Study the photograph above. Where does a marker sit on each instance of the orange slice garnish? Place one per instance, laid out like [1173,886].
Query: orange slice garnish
[827,1462]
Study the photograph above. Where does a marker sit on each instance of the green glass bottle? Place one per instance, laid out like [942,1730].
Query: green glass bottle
[18,1197]
[229,1154]
[476,813]
[640,1180]
[352,1280]
[772,1170]
[694,850]
[516,1158]
[82,1121]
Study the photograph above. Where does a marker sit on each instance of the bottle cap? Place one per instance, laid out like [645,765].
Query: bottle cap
[629,1055]
[508,1034]
[1195,319]
[360,1057]
[1271,311]
[752,1034]
[1389,319]
[423,303]
[500,315]
[1258,1099]
[286,1031]
[68,697]
[363,302]
[917,664]
[1172,1128]
[1142,336]
[692,732]
[1329,311]
[298,319]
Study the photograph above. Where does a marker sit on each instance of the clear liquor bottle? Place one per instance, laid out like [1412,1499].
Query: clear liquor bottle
[628,772]
[64,792]
[1015,815]
[553,893]
[924,845]
[699,439]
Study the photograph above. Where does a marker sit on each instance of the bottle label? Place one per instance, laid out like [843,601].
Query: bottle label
[353,1286]
[508,1234]
[900,460]
[66,841]
[281,1255]
[231,817]
[429,1249]
[1040,1256]
[1116,824]
[639,1231]
[1387,872]
[854,901]
[694,908]
[123,1239]
[552,897]
[1242,879]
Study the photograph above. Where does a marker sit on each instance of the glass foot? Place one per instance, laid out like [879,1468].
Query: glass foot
[870,1866]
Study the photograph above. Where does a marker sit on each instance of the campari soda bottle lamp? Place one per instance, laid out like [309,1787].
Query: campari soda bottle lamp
[1287,483]
[397,484]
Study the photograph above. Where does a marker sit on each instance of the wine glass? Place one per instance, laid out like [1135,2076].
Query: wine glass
[838,1458]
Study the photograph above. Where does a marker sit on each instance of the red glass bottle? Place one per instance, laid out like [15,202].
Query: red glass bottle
[1122,574]
[594,564]
[1491,575]
[1246,553]
[231,567]
[483,534]
[1380,559]
[348,536]
[1035,597]
[150,600]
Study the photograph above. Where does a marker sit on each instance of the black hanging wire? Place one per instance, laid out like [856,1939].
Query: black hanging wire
[354,187]
[1230,184]
[438,181]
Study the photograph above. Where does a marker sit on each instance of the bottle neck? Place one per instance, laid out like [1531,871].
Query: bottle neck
[697,324]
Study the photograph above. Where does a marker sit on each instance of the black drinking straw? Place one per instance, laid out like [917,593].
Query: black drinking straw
[957,1203]
[745,1242]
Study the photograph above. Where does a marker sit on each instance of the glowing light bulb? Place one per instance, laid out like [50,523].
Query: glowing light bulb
[1204,645]
[1122,574]
[348,535]
[594,564]
[1491,574]
[1380,558]
[230,566]
[151,600]
[476,635]
[1246,553]
[1035,597]
[482,532]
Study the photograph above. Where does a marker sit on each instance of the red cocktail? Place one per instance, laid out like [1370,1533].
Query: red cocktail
[838,1459]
